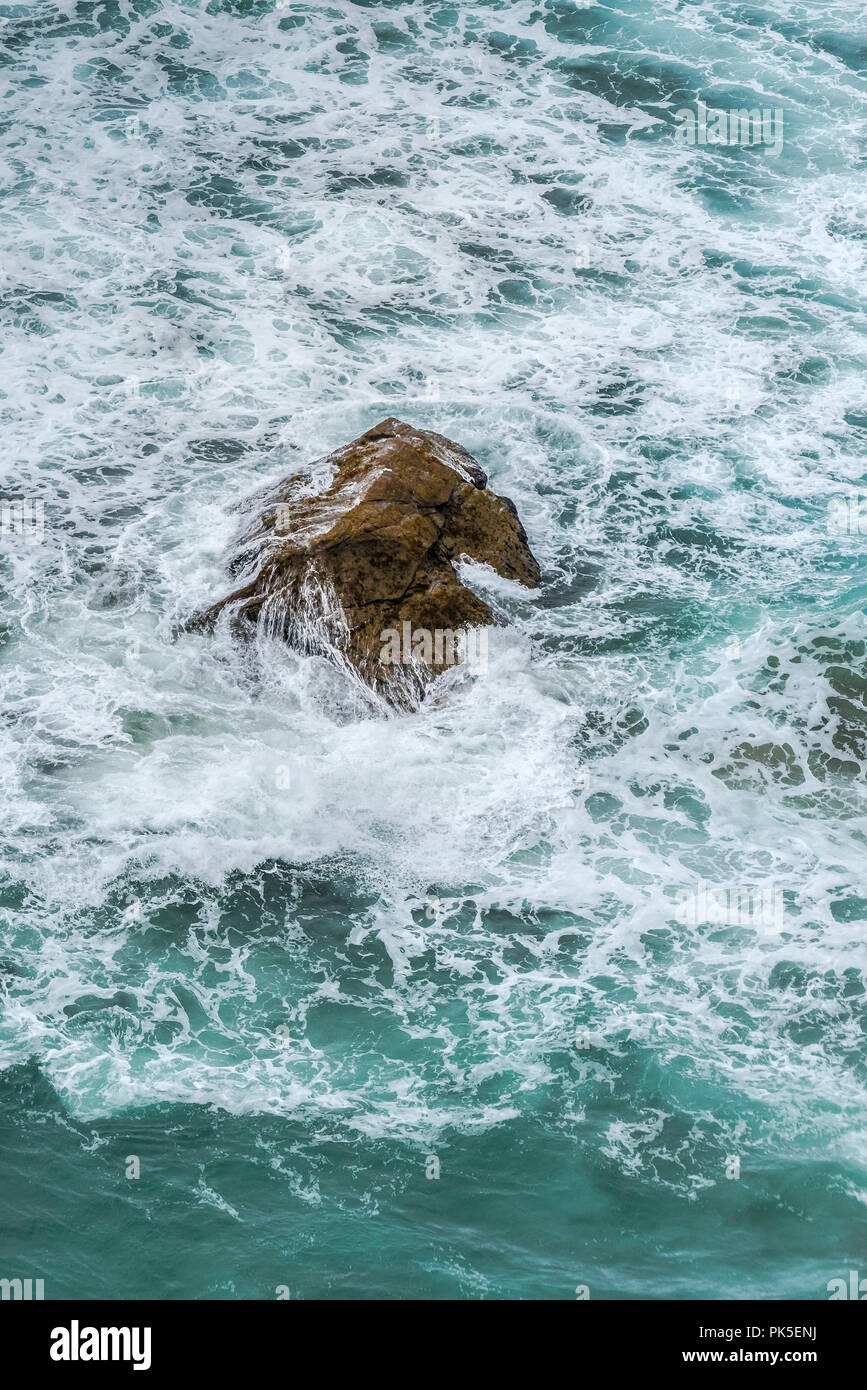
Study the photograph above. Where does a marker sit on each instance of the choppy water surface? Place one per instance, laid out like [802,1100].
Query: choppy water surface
[287,954]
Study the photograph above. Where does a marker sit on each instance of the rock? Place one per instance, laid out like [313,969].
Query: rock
[363,572]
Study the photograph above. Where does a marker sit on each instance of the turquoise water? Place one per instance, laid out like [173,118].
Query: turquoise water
[475,1002]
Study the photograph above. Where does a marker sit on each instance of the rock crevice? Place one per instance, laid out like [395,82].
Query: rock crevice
[331,572]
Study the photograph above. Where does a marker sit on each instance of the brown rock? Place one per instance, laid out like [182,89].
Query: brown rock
[337,572]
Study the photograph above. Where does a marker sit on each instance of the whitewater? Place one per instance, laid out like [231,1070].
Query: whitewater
[285,950]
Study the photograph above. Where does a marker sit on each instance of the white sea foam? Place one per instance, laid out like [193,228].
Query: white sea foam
[671,408]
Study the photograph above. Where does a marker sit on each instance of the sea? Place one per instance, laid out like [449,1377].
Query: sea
[553,988]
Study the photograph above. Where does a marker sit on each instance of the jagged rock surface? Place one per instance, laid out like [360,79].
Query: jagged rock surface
[331,571]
